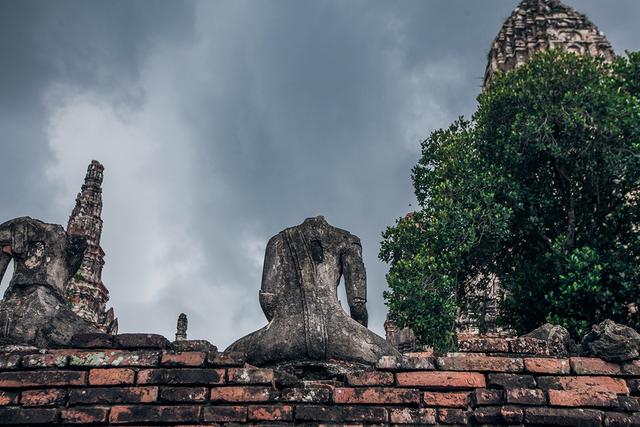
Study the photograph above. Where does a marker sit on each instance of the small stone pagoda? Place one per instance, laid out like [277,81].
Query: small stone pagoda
[85,291]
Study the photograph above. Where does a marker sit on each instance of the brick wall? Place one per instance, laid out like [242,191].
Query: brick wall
[493,383]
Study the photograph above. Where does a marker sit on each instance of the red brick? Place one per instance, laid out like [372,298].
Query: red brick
[563,417]
[525,396]
[9,361]
[184,394]
[270,413]
[97,358]
[582,398]
[181,376]
[593,366]
[113,395]
[48,397]
[86,415]
[511,414]
[225,413]
[112,376]
[631,368]
[154,414]
[481,397]
[449,400]
[241,394]
[606,384]
[306,395]
[540,365]
[445,380]
[47,360]
[412,415]
[481,363]
[453,416]
[184,358]
[226,359]
[369,378]
[42,379]
[527,345]
[341,414]
[483,345]
[376,396]
[8,398]
[29,416]
[250,376]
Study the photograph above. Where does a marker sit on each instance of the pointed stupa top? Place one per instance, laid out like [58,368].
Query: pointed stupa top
[537,25]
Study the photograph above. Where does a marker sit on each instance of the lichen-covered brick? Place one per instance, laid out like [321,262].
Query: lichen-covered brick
[634,386]
[184,394]
[418,416]
[593,366]
[481,363]
[341,414]
[484,345]
[241,394]
[629,403]
[84,415]
[441,380]
[376,396]
[225,413]
[370,378]
[525,396]
[113,395]
[42,379]
[584,383]
[582,398]
[306,395]
[48,397]
[563,417]
[270,413]
[417,362]
[154,414]
[181,376]
[250,376]
[528,345]
[9,361]
[631,368]
[183,358]
[112,376]
[485,397]
[511,381]
[141,358]
[453,416]
[47,360]
[543,365]
[449,400]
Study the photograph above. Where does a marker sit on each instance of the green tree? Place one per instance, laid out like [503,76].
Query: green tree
[541,189]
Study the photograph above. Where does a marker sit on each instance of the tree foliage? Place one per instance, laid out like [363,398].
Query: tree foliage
[539,190]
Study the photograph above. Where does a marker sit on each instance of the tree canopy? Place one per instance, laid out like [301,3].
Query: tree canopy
[539,190]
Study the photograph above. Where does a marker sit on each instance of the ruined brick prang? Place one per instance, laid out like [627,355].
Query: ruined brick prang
[134,379]
[537,25]
[85,291]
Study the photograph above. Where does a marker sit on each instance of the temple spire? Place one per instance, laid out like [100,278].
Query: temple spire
[85,291]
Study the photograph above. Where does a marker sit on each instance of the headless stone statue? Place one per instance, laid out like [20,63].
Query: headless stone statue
[33,310]
[302,270]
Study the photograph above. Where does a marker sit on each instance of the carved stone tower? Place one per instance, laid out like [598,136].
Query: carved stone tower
[85,291]
[533,26]
[537,25]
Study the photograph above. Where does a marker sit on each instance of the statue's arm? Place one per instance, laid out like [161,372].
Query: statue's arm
[271,271]
[355,280]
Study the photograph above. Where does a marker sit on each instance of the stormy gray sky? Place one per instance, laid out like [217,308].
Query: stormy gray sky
[222,122]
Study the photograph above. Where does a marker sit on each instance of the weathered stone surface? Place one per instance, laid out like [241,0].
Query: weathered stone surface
[194,345]
[563,417]
[612,342]
[302,269]
[113,395]
[34,310]
[136,341]
[557,339]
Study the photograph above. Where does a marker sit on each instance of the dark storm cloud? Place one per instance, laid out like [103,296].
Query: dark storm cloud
[221,123]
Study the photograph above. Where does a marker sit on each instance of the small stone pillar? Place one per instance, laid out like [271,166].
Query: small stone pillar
[181,332]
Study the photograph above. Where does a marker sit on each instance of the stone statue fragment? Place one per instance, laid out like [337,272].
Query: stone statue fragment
[612,342]
[302,270]
[181,327]
[34,310]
